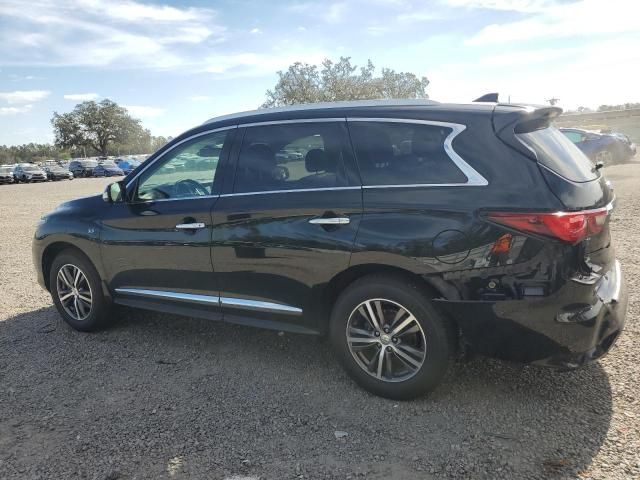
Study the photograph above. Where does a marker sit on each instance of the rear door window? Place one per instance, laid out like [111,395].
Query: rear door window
[556,152]
[575,137]
[292,156]
[397,153]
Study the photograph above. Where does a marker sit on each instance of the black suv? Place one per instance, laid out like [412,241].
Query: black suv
[82,168]
[406,231]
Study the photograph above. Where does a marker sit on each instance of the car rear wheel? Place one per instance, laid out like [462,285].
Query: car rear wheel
[77,292]
[389,337]
[605,156]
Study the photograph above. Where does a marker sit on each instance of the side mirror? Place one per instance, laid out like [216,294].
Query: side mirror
[115,192]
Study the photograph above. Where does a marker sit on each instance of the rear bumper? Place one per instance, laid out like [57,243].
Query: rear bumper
[575,325]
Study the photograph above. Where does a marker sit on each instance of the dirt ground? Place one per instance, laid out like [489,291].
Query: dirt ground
[160,396]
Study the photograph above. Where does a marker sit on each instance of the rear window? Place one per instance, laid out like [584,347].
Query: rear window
[396,153]
[556,152]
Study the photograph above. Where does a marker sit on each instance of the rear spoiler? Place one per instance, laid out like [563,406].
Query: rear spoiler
[488,97]
[510,119]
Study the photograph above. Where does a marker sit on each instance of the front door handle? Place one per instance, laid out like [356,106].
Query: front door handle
[330,221]
[190,226]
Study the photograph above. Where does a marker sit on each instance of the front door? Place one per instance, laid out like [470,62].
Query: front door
[156,247]
[287,224]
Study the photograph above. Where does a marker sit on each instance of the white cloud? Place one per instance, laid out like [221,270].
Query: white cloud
[81,97]
[15,110]
[335,13]
[255,31]
[330,13]
[416,17]
[23,96]
[584,17]
[200,98]
[133,11]
[243,64]
[117,33]
[509,5]
[144,111]
[578,76]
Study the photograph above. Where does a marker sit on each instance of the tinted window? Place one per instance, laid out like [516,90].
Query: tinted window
[186,171]
[556,152]
[397,153]
[292,156]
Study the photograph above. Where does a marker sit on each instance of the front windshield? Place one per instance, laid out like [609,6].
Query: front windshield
[31,168]
[89,163]
[108,164]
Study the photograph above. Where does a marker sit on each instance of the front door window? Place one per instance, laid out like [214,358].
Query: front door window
[187,171]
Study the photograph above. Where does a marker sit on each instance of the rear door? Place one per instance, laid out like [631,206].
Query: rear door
[157,246]
[287,223]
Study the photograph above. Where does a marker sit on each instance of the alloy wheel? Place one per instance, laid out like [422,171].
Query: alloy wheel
[386,340]
[74,292]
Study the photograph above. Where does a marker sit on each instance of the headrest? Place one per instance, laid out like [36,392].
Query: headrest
[317,160]
[259,156]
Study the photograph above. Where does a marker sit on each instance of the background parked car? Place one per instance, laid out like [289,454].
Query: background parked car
[107,168]
[127,166]
[607,148]
[56,172]
[29,172]
[6,174]
[82,167]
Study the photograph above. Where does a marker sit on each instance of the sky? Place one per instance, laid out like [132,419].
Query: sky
[177,64]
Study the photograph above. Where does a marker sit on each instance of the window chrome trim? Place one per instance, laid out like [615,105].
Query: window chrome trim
[300,120]
[232,302]
[191,137]
[177,296]
[258,305]
[294,190]
[474,179]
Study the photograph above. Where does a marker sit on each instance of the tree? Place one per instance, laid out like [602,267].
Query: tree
[95,125]
[304,83]
[624,106]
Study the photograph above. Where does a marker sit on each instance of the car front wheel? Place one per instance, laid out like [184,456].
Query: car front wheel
[77,292]
[389,337]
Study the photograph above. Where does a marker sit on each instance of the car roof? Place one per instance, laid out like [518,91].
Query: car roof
[358,107]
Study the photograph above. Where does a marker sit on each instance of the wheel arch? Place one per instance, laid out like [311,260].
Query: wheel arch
[52,251]
[434,286]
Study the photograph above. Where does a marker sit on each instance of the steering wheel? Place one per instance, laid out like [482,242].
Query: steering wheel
[189,188]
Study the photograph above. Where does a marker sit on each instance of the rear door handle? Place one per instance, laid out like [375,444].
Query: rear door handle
[330,221]
[190,226]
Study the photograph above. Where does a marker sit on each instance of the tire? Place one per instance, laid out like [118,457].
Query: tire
[77,316]
[605,156]
[435,337]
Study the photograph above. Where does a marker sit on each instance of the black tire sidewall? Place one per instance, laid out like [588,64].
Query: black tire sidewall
[99,304]
[439,346]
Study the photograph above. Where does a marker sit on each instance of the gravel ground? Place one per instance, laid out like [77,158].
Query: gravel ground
[160,396]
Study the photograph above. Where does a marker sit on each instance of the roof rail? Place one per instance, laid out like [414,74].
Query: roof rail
[326,105]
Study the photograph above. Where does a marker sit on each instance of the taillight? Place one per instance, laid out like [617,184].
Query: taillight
[571,227]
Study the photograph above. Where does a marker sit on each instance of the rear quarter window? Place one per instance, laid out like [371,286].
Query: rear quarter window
[396,153]
[556,152]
